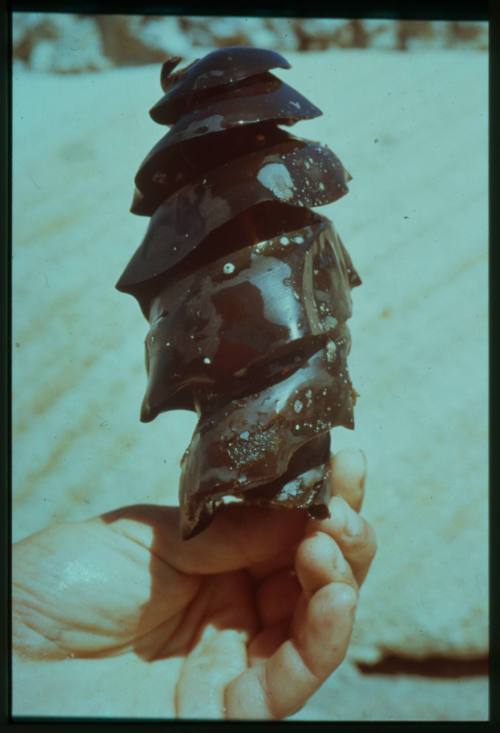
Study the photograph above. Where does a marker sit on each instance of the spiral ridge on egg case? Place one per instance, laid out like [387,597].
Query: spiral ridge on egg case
[246,289]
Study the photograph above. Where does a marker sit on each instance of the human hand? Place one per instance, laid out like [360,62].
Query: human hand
[259,607]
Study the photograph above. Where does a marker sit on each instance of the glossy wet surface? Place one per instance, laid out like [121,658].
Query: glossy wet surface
[250,441]
[181,154]
[246,290]
[213,327]
[193,85]
[295,173]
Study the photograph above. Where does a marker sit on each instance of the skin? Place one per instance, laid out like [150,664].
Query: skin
[257,610]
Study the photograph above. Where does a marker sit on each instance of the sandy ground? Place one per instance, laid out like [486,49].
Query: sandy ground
[412,130]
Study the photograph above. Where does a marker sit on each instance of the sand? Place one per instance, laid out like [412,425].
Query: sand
[412,130]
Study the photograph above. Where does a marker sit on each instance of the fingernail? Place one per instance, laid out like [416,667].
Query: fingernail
[353,525]
[357,462]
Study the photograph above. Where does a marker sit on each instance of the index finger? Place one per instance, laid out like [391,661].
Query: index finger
[320,630]
[282,684]
[349,476]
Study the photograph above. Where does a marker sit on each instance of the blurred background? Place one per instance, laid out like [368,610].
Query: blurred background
[405,107]
[75,43]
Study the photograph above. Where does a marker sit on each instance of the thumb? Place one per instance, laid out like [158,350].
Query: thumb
[238,537]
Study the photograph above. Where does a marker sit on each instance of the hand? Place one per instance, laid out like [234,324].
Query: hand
[259,607]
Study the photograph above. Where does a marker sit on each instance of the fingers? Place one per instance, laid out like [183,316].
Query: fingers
[276,599]
[280,561]
[267,642]
[349,477]
[320,561]
[321,628]
[316,556]
[354,536]
[218,653]
[283,684]
[277,596]
[218,657]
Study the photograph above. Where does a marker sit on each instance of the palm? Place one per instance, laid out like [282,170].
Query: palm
[223,605]
[125,580]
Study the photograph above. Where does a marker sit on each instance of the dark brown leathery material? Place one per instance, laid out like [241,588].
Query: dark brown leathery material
[217,69]
[296,173]
[171,165]
[247,290]
[242,309]
[249,442]
[255,100]
[304,485]
[188,150]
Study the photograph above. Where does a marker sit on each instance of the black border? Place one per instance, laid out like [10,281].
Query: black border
[424,10]
[5,335]
[388,9]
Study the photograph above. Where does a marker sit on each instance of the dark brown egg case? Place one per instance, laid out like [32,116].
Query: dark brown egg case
[246,289]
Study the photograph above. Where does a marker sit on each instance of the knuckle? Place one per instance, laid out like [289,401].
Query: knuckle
[339,562]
